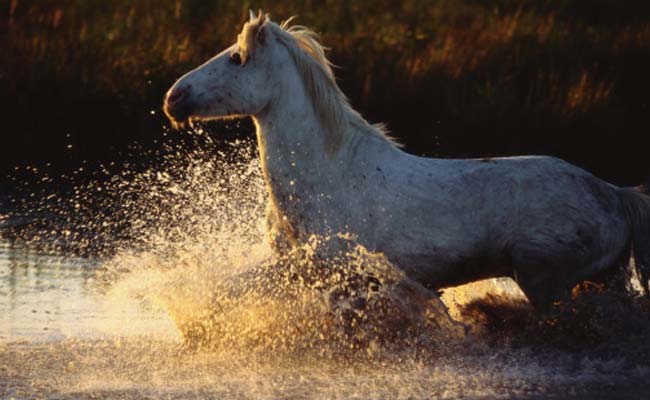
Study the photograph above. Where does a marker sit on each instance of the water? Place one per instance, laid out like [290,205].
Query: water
[181,303]
[62,335]
[44,299]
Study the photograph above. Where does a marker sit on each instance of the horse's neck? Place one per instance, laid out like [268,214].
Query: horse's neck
[292,140]
[292,145]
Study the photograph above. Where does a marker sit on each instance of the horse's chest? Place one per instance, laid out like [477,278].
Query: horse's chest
[301,211]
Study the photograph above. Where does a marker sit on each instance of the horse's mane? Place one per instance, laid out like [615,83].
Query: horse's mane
[331,105]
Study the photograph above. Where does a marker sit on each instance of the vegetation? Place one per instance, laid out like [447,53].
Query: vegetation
[79,78]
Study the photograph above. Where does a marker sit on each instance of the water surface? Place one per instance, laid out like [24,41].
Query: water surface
[62,335]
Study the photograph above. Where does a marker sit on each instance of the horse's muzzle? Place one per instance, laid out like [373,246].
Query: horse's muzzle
[178,104]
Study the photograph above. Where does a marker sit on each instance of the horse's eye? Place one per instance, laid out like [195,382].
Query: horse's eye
[235,58]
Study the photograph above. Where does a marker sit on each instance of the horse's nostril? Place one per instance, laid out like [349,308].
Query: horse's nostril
[176,95]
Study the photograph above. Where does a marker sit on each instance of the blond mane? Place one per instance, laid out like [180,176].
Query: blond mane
[332,106]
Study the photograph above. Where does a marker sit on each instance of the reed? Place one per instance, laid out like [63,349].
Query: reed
[566,77]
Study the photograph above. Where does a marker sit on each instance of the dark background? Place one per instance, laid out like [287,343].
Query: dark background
[82,82]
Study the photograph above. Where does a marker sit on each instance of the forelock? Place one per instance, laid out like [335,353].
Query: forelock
[247,39]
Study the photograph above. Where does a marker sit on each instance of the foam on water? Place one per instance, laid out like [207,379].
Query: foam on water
[184,298]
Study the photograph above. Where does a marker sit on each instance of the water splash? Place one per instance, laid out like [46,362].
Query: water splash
[189,237]
[205,259]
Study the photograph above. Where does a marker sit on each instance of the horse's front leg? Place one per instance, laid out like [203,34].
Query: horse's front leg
[281,241]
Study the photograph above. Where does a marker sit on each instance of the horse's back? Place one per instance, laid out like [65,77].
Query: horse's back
[516,193]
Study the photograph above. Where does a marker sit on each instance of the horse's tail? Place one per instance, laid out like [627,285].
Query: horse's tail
[637,210]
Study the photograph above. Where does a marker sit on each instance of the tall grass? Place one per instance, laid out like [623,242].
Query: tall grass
[450,77]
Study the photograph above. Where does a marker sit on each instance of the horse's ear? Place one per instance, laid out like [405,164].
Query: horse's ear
[260,36]
[261,15]
[257,25]
[263,18]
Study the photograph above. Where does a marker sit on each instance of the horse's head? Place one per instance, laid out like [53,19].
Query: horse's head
[236,82]
[264,66]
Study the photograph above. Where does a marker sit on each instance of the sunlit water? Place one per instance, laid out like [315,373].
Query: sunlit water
[107,325]
[44,299]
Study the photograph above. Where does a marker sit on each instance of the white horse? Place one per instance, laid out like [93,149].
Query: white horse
[540,220]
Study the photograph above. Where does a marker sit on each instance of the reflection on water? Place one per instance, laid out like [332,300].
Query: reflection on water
[41,297]
[46,298]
